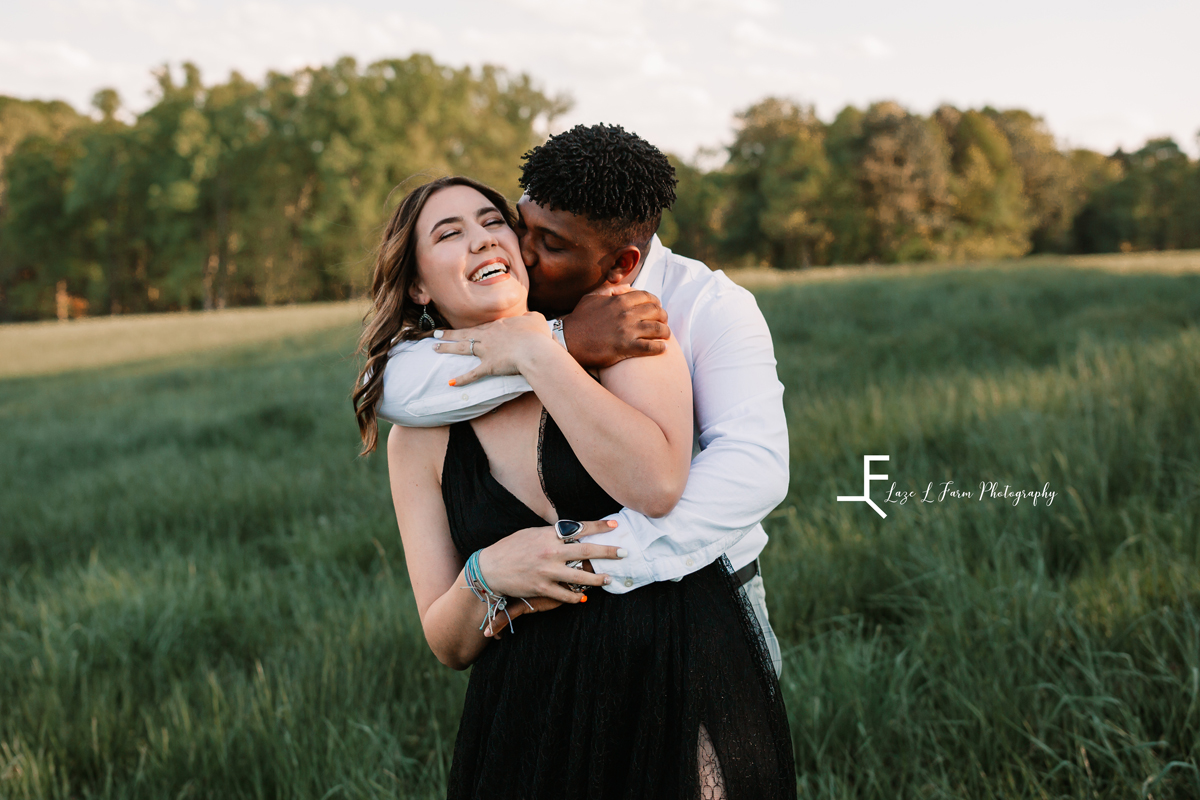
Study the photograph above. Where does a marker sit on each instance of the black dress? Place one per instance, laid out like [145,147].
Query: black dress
[606,699]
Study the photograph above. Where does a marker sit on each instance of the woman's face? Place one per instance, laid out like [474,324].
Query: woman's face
[468,259]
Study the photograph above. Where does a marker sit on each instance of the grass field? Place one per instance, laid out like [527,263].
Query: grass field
[203,594]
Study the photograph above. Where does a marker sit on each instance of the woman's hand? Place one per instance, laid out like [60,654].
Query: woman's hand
[533,563]
[503,346]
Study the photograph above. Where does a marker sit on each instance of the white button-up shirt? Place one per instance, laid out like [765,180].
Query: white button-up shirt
[738,475]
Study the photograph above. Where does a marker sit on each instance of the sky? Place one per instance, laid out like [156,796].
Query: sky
[1102,73]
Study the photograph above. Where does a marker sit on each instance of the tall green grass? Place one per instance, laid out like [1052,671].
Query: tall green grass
[203,594]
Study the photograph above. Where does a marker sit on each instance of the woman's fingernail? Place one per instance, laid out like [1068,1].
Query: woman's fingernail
[583,598]
[607,580]
[612,523]
[622,552]
[452,382]
[438,335]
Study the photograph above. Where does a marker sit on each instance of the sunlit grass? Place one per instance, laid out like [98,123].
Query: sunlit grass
[203,594]
[47,348]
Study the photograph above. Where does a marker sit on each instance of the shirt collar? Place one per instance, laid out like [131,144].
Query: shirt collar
[650,277]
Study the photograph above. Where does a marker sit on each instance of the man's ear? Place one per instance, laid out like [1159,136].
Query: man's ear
[623,262]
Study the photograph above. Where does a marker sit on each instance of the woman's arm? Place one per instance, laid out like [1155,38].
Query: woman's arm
[632,431]
[450,616]
[528,563]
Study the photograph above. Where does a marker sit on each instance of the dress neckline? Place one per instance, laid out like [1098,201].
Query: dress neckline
[481,461]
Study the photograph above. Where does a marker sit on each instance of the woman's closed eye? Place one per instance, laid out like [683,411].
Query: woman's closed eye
[489,223]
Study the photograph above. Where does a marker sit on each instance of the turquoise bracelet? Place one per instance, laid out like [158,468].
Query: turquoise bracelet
[478,585]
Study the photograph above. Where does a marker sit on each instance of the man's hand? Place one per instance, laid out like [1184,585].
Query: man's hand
[520,606]
[615,323]
[516,608]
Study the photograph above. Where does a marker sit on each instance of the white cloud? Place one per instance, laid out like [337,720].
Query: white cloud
[45,58]
[873,47]
[655,65]
[615,16]
[674,70]
[754,36]
[753,8]
[60,70]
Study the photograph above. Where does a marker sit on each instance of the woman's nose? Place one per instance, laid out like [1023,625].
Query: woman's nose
[483,239]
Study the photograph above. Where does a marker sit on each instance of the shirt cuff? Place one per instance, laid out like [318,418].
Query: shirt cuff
[635,570]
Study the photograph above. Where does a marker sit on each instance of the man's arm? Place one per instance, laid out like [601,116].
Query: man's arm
[740,475]
[601,331]
[417,391]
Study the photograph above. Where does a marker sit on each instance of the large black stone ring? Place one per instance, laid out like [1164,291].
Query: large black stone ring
[567,529]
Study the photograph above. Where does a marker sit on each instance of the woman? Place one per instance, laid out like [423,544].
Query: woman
[663,692]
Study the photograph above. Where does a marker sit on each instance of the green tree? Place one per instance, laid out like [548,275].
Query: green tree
[1150,207]
[243,192]
[1054,188]
[691,227]
[991,211]
[904,176]
[776,176]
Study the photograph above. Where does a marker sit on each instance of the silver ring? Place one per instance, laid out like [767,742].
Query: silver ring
[566,530]
[472,347]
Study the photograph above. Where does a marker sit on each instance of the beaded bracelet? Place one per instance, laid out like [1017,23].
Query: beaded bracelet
[495,602]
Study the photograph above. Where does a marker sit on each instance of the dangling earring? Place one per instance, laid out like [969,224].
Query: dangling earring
[426,322]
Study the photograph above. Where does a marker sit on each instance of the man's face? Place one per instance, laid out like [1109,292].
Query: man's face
[564,255]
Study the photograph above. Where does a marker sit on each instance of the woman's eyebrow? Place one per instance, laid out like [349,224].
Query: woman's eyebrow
[451,220]
[446,221]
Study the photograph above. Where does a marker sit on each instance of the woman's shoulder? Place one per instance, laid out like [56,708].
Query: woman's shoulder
[417,449]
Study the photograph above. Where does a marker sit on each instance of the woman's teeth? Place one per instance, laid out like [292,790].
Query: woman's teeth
[490,271]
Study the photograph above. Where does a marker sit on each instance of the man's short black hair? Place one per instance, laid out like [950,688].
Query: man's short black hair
[602,172]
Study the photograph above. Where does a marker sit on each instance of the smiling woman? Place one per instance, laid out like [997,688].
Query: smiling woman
[472,264]
[401,297]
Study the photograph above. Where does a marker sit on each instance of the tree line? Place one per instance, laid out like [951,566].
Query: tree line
[885,185]
[240,192]
[245,192]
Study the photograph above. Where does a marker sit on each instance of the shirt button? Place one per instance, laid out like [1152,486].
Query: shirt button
[466,396]
[628,582]
[689,562]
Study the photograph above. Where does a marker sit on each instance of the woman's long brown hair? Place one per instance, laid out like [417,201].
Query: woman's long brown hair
[394,315]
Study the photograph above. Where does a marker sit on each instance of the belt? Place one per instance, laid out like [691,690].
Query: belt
[746,573]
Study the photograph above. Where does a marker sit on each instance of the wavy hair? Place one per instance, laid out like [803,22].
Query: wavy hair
[393,315]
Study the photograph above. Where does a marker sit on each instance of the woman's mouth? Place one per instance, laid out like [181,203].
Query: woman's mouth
[489,271]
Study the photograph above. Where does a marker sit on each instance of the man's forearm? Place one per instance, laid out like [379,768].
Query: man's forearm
[741,474]
[417,391]
[733,485]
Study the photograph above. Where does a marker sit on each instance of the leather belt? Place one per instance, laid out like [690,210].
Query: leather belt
[746,573]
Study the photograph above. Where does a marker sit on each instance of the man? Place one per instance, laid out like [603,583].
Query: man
[593,201]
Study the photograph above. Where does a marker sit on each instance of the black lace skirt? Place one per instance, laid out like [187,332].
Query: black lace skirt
[664,692]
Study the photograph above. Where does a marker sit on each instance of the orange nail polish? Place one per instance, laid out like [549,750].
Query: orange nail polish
[583,599]
[452,382]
